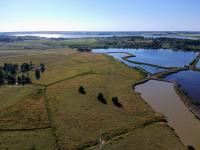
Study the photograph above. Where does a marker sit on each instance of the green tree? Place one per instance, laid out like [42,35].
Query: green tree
[37,74]
[101,98]
[25,67]
[82,90]
[1,77]
[27,80]
[23,79]
[116,102]
[19,80]
[11,80]
[42,67]
[190,147]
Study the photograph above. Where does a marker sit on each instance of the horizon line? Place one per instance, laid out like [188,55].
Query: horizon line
[105,31]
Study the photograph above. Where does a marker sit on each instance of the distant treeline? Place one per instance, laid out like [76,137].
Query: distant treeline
[86,44]
[7,39]
[141,42]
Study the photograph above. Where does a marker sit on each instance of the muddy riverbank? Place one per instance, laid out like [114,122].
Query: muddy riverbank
[162,97]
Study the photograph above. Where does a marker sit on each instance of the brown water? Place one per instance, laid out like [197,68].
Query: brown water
[162,97]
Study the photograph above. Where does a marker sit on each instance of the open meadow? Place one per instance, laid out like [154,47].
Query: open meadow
[52,114]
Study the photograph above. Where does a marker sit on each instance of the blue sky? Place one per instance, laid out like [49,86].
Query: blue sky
[99,15]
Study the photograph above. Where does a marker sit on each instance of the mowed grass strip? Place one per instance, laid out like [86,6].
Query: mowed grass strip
[80,120]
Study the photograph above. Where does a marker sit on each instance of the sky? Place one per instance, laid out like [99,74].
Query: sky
[99,15]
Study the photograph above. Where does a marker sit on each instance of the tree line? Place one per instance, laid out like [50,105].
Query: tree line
[12,74]
[139,42]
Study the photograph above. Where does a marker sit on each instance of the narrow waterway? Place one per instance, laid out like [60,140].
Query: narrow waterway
[162,97]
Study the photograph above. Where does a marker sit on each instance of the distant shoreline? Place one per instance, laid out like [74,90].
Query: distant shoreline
[89,34]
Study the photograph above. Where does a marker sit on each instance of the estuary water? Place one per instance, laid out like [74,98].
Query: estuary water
[189,82]
[162,97]
[159,57]
[198,64]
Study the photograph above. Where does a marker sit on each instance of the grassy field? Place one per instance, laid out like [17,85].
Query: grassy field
[25,111]
[52,114]
[144,138]
[28,140]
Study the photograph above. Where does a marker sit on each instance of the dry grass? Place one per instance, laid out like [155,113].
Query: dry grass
[79,120]
[11,95]
[36,56]
[29,113]
[27,140]
[154,137]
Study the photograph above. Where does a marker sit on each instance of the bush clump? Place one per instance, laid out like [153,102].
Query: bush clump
[82,90]
[190,147]
[116,102]
[101,98]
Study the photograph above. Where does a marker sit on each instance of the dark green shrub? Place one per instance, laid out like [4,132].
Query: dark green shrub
[37,74]
[116,102]
[101,98]
[42,67]
[33,148]
[82,90]
[189,147]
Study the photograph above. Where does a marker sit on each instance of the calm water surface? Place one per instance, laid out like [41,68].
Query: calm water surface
[189,81]
[162,97]
[119,56]
[198,64]
[160,57]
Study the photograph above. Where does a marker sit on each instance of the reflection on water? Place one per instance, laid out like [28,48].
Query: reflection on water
[147,68]
[160,57]
[166,58]
[41,35]
[189,81]
[119,56]
[162,97]
[198,64]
